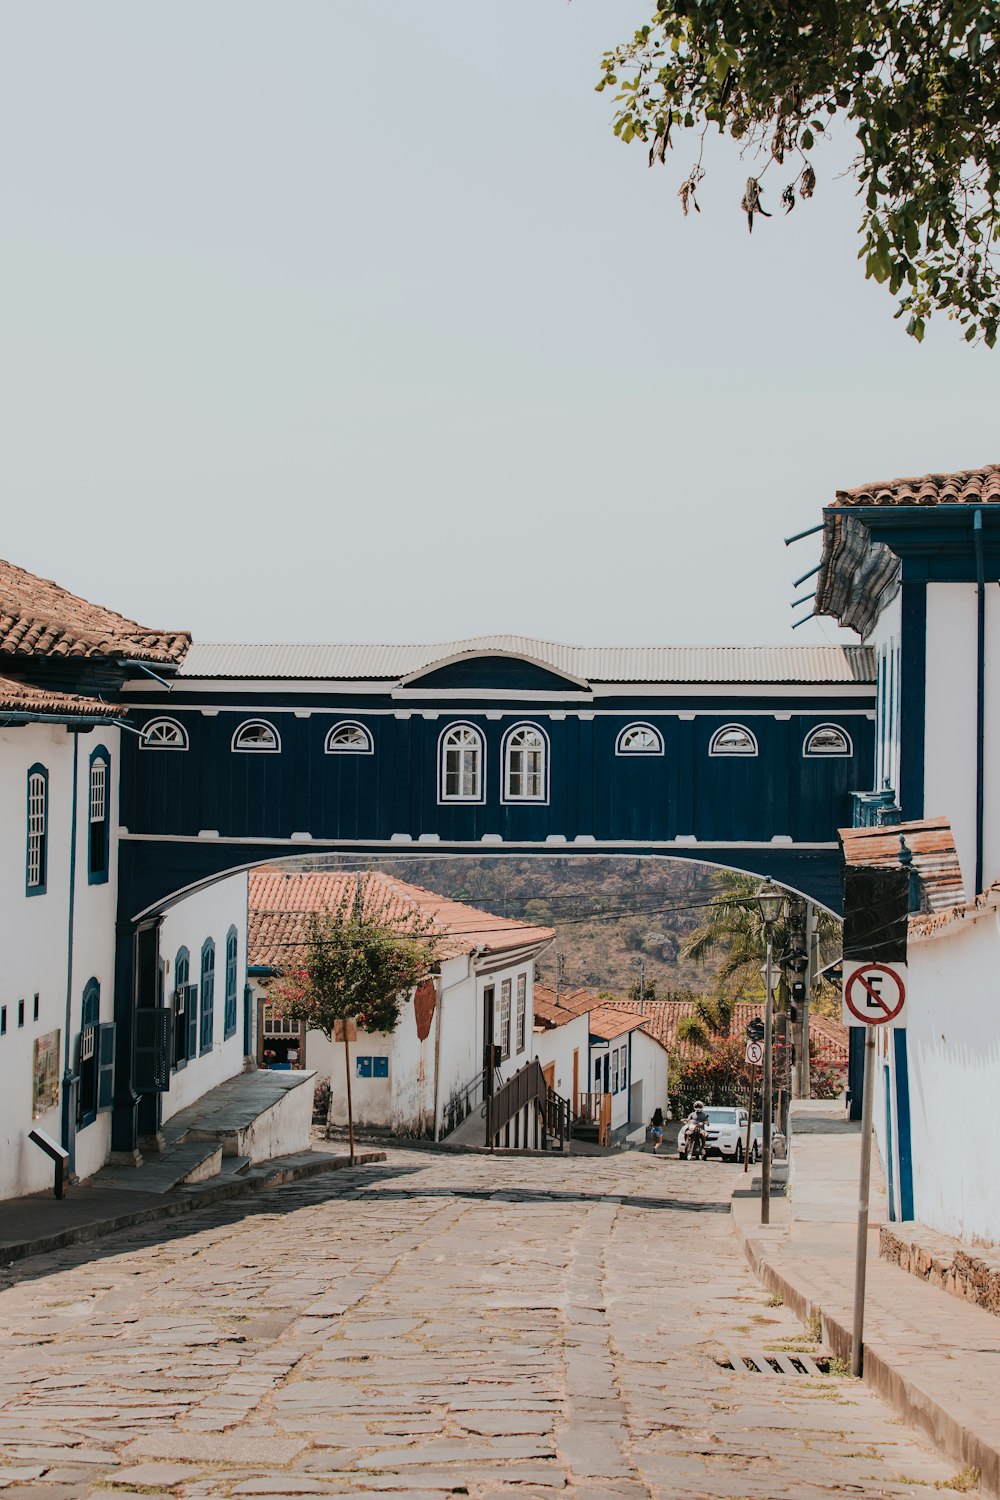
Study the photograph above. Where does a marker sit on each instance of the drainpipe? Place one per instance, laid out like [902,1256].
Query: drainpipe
[977,533]
[68,1092]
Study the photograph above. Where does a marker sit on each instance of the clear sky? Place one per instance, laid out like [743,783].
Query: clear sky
[351,320]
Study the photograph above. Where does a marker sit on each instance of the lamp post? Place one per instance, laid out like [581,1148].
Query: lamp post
[770,901]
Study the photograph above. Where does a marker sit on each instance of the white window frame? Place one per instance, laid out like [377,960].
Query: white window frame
[163,723]
[461,726]
[38,796]
[241,729]
[621,748]
[541,797]
[330,748]
[521,1023]
[614,1070]
[713,744]
[810,754]
[505,988]
[98,790]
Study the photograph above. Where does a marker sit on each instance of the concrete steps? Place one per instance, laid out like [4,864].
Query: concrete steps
[246,1121]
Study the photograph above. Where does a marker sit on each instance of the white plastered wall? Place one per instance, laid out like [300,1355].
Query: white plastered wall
[207,913]
[950,715]
[34,951]
[557,1045]
[649,1064]
[953,1043]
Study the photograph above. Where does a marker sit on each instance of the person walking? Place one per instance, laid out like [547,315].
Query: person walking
[656,1129]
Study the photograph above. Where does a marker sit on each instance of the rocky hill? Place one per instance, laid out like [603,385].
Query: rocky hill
[609,913]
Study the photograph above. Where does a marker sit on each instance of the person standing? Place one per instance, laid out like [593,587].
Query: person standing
[656,1129]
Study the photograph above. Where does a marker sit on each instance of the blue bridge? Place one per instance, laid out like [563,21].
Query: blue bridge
[743,757]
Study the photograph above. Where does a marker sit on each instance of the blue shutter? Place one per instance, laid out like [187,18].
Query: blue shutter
[152,1049]
[230,1015]
[207,995]
[191,1012]
[105,1065]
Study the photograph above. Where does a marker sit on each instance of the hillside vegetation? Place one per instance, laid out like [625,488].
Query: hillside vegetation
[608,912]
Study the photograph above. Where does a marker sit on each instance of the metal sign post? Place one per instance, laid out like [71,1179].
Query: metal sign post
[874,994]
[765,1106]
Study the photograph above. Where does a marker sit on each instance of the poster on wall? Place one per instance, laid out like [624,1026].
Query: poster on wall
[46,1090]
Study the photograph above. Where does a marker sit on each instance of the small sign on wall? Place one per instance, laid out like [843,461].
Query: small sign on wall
[45,1095]
[338,1031]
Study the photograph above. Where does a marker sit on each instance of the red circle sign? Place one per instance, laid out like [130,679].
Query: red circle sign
[864,997]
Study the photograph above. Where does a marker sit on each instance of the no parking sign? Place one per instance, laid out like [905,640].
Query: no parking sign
[874,994]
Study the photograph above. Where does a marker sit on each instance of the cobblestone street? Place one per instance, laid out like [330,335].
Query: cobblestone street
[434,1325]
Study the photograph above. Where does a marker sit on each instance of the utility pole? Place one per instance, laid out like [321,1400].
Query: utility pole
[642,986]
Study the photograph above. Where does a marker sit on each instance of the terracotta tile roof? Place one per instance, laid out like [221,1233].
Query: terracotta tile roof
[572,1003]
[607,1018]
[280,903]
[929,924]
[38,618]
[935,857]
[968,487]
[662,1018]
[858,578]
[610,1021]
[21,698]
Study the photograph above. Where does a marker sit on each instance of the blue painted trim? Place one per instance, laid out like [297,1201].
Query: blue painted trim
[890,1172]
[90,1015]
[99,875]
[903,1135]
[70,1082]
[913,692]
[39,770]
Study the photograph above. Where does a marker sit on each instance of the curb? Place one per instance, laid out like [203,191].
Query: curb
[882,1370]
[172,1208]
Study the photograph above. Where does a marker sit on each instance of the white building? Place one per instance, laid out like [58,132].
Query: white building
[593,1049]
[417,1079]
[58,861]
[202,942]
[910,564]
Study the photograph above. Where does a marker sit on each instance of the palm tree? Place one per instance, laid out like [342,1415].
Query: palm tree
[712,1019]
[733,930]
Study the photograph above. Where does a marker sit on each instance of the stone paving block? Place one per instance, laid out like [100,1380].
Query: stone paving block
[236,1449]
[159,1476]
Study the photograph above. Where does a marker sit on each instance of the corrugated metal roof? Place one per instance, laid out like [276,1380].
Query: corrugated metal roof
[618,664]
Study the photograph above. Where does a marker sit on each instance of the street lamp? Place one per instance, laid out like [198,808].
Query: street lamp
[770,903]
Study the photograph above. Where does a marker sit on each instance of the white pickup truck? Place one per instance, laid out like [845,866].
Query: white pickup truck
[727,1133]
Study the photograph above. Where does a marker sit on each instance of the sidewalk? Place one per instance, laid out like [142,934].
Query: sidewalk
[91,1209]
[933,1357]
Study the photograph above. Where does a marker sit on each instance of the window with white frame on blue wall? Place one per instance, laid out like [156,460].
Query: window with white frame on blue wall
[99,828]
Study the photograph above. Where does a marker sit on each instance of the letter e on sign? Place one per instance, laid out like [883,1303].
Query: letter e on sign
[874,993]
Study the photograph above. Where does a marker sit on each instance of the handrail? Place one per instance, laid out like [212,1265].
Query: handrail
[462,1103]
[526,1086]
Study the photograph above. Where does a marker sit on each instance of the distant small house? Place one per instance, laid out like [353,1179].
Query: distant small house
[590,1047]
[416,1079]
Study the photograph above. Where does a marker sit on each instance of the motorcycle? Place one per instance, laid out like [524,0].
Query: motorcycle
[693,1141]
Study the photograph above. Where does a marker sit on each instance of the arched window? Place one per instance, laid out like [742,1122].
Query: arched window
[185,1010]
[827,739]
[525,764]
[461,757]
[229,1023]
[38,831]
[349,738]
[207,995]
[732,739]
[257,735]
[87,1060]
[639,739]
[99,836]
[163,734]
